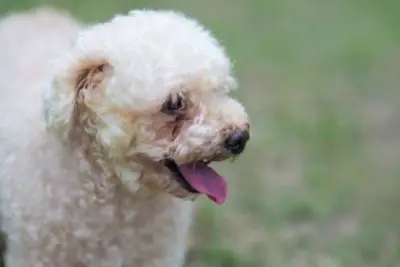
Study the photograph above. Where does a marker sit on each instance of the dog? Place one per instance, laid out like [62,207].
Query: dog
[107,136]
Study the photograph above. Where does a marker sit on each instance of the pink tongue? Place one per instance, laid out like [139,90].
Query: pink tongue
[205,180]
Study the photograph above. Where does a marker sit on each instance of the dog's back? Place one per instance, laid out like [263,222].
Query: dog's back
[29,42]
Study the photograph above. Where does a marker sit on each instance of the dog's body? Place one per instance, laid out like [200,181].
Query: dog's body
[73,191]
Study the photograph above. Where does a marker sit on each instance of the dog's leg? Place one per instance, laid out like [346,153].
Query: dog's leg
[2,248]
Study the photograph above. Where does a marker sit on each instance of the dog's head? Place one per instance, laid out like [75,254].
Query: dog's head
[146,97]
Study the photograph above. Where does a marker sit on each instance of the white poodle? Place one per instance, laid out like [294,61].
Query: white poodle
[103,150]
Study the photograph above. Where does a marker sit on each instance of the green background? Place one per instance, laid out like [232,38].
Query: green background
[319,184]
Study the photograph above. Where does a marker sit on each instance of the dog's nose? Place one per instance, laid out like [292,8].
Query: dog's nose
[237,141]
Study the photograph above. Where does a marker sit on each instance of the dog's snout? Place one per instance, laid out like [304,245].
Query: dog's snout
[236,142]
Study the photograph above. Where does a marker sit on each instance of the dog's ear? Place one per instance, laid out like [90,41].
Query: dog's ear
[90,74]
[73,83]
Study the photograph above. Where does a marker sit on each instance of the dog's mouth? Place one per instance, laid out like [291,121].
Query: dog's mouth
[199,178]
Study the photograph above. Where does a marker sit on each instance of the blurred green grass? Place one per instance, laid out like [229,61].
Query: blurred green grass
[318,184]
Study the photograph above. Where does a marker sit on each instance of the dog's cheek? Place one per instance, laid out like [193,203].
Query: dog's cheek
[115,136]
[148,140]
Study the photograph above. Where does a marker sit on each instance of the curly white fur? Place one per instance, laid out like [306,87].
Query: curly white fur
[80,137]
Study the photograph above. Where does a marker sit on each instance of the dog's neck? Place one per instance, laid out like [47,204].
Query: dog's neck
[109,175]
[112,177]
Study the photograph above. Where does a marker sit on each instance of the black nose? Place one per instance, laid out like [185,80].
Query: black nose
[237,141]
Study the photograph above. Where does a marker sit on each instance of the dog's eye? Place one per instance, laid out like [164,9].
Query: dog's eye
[173,105]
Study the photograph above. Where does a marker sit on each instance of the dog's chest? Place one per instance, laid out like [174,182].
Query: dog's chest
[126,233]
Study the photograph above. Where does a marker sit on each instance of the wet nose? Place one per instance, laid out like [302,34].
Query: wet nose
[237,141]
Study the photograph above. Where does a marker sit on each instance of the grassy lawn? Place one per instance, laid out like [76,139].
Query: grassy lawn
[319,184]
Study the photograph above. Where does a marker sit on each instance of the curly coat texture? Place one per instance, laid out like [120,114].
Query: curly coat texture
[82,135]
